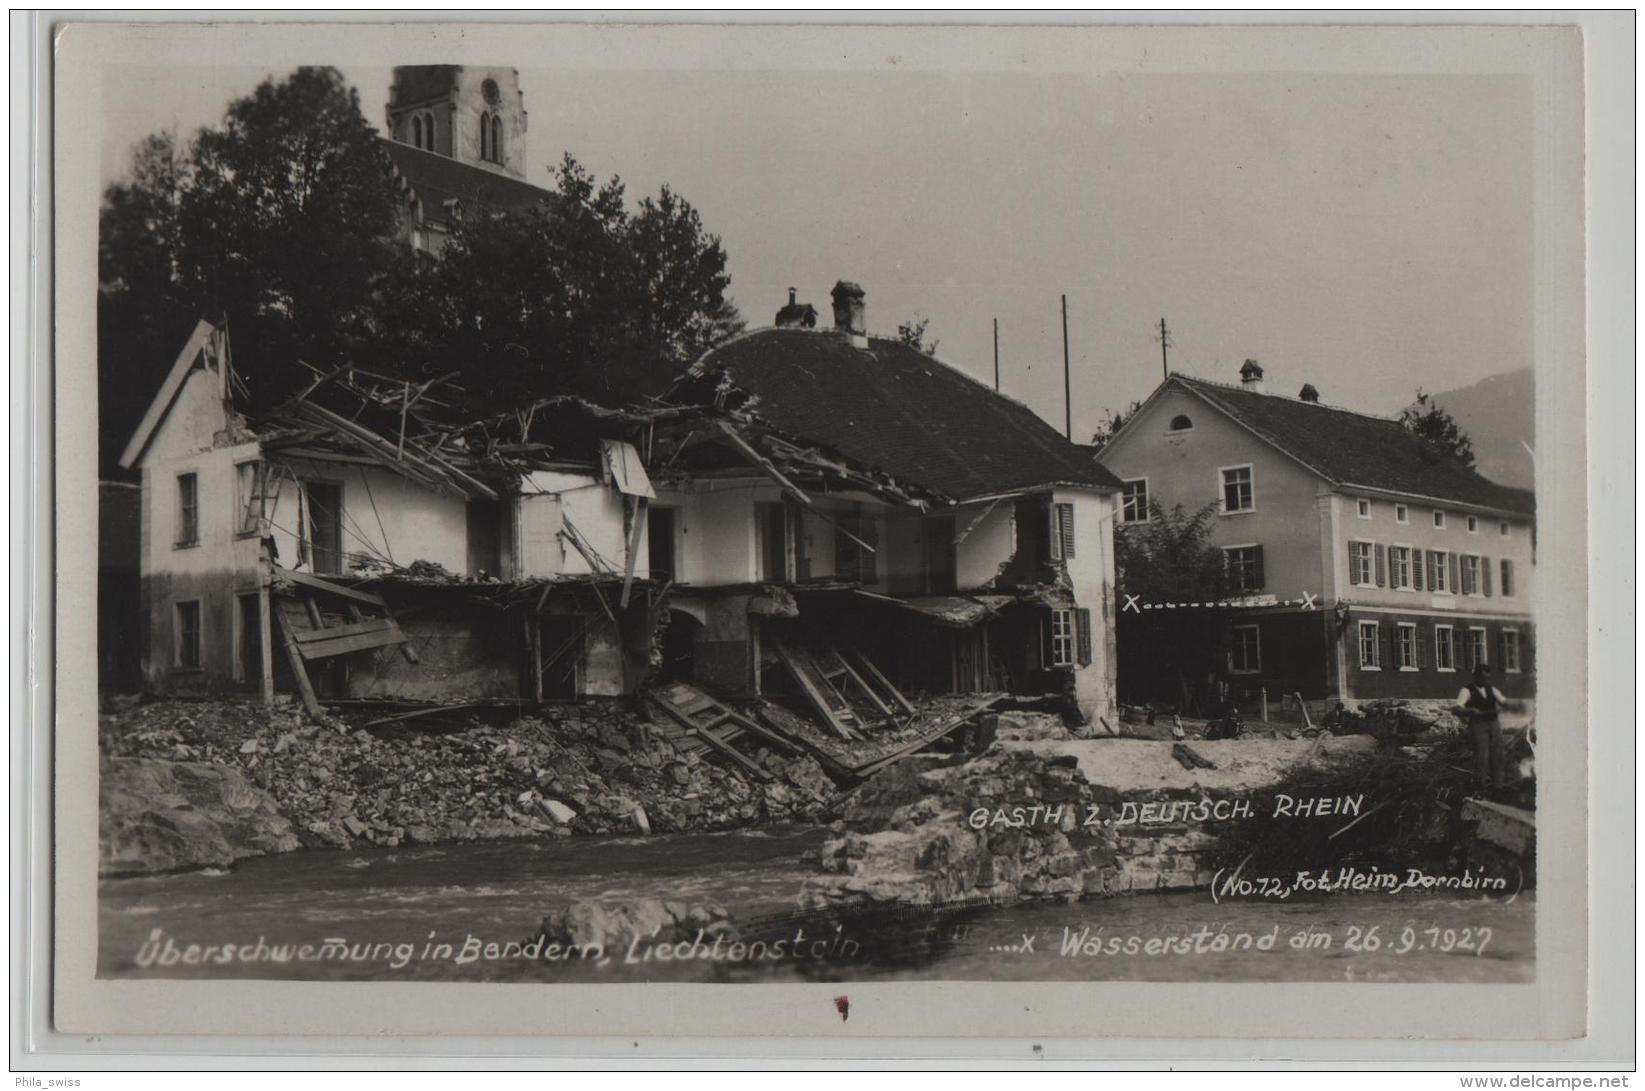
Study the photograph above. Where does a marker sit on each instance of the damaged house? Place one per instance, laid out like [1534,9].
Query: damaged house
[834,519]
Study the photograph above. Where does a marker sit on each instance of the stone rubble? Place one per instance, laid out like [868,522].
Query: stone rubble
[589,768]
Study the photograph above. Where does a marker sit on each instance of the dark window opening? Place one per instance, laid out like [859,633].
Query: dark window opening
[325,526]
[561,640]
[188,635]
[772,528]
[250,648]
[856,539]
[485,538]
[660,543]
[1181,423]
[941,562]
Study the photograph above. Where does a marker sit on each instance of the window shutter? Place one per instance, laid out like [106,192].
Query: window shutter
[1259,577]
[1485,575]
[1353,570]
[1433,583]
[1502,649]
[1417,569]
[1456,573]
[1082,629]
[1458,649]
[1381,554]
[1065,528]
[1416,646]
[1045,640]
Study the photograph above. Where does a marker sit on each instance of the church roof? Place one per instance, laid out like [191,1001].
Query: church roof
[434,179]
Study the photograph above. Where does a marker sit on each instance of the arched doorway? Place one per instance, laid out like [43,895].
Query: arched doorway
[679,647]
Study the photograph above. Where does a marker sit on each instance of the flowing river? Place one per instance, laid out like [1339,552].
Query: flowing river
[466,912]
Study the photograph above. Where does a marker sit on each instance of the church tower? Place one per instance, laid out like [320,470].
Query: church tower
[473,114]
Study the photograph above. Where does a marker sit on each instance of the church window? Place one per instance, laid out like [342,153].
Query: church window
[485,136]
[496,138]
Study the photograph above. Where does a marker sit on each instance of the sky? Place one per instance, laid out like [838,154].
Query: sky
[1370,234]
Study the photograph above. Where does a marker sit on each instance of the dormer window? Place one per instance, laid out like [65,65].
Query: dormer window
[1181,423]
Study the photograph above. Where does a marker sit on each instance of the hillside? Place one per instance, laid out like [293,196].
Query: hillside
[1497,414]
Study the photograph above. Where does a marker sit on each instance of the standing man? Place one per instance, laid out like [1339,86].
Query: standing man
[1479,703]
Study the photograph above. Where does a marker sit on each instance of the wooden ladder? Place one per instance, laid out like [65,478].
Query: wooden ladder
[702,723]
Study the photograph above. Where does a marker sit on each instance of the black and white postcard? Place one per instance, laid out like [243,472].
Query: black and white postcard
[572,529]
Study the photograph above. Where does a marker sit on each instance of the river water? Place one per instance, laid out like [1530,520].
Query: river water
[466,912]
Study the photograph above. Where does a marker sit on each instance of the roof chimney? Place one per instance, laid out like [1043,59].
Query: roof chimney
[849,313]
[797,314]
[1309,393]
[1250,376]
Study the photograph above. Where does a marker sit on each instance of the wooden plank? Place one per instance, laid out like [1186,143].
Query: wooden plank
[635,529]
[369,625]
[298,667]
[735,755]
[862,684]
[873,672]
[814,695]
[347,645]
[764,464]
[303,579]
[420,712]
[265,640]
[765,734]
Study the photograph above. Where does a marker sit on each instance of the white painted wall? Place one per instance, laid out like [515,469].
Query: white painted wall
[989,545]
[1091,573]
[548,497]
[384,516]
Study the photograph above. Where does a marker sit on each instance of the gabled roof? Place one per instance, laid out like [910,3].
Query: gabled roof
[1356,450]
[892,408]
[434,179]
[200,339]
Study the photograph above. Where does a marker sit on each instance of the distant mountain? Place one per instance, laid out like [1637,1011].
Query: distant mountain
[1497,414]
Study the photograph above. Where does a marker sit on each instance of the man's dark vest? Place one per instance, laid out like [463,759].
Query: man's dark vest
[1484,700]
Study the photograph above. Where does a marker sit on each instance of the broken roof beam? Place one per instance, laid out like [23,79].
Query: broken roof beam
[455,478]
[763,463]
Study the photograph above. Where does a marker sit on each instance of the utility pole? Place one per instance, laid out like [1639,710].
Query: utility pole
[1164,347]
[996,356]
[1067,381]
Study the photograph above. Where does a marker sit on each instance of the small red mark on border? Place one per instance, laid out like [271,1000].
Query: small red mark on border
[842,1004]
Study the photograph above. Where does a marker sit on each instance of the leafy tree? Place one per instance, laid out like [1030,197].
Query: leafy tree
[1169,559]
[1113,423]
[1425,419]
[280,221]
[283,221]
[912,334]
[575,295]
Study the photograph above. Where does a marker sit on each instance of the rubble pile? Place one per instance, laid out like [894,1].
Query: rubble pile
[1394,719]
[589,768]
[1048,818]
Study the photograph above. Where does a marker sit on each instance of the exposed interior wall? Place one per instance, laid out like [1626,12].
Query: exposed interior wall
[715,528]
[902,554]
[594,508]
[385,518]
[988,545]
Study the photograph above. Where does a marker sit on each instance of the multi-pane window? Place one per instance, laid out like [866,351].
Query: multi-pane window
[1399,568]
[1439,520]
[1444,648]
[1507,567]
[1244,564]
[1476,648]
[188,509]
[1405,646]
[188,635]
[1245,650]
[1510,651]
[1134,501]
[1402,514]
[1439,570]
[1364,509]
[1362,569]
[1469,564]
[1062,638]
[1370,645]
[1237,489]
